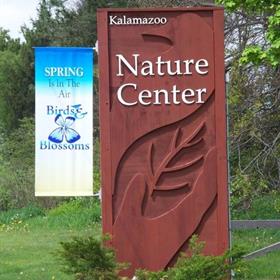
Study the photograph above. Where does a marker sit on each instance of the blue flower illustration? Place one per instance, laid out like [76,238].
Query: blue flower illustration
[64,130]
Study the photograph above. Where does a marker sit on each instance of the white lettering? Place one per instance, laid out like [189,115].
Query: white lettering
[147,66]
[143,95]
[124,20]
[162,67]
[186,95]
[132,69]
[120,91]
[159,96]
[64,71]
[199,94]
[165,94]
[202,63]
[112,20]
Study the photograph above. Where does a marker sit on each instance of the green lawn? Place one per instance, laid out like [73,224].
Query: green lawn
[29,237]
[28,243]
[29,255]
[263,207]
[264,267]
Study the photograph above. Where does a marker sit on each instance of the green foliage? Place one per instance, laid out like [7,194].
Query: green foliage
[276,204]
[270,11]
[265,267]
[143,274]
[89,259]
[15,224]
[16,77]
[28,255]
[96,167]
[17,166]
[13,97]
[244,191]
[7,43]
[18,148]
[261,206]
[16,219]
[253,134]
[76,213]
[16,187]
[23,214]
[200,267]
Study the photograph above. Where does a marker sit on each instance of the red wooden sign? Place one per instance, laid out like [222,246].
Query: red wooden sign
[163,132]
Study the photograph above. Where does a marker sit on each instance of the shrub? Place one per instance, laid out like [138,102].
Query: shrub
[89,259]
[245,189]
[17,166]
[200,267]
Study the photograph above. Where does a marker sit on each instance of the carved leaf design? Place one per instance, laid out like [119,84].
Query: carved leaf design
[165,176]
[146,238]
[164,167]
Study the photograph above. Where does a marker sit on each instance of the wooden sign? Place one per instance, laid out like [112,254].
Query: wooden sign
[163,132]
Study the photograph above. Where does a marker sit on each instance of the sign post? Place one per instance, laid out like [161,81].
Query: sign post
[163,132]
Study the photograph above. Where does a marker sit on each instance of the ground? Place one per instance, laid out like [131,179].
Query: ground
[30,237]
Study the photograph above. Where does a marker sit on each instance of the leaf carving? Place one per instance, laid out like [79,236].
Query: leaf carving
[140,235]
[173,181]
[175,149]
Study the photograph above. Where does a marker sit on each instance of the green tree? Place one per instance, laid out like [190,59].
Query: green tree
[253,98]
[7,43]
[268,13]
[16,100]
[17,166]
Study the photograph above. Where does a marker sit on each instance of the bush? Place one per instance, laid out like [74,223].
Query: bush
[88,259]
[265,206]
[245,190]
[200,267]
[17,166]
[16,186]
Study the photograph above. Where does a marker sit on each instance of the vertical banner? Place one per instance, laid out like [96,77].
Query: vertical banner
[163,132]
[64,121]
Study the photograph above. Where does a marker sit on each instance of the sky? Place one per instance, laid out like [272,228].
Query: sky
[14,13]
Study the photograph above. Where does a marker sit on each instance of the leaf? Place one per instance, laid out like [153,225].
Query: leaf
[165,167]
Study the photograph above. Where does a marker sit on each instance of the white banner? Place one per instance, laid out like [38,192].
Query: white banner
[64,121]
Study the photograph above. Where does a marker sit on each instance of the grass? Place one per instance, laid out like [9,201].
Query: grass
[29,238]
[265,207]
[29,255]
[255,239]
[264,267]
